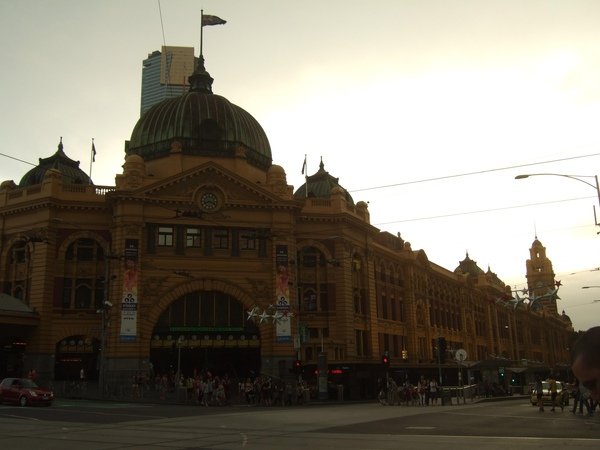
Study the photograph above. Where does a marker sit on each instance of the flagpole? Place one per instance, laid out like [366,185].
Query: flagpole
[201,28]
[305,177]
[91,159]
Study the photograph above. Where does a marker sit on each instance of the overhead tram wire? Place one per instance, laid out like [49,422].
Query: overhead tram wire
[17,159]
[167,59]
[437,179]
[466,213]
[479,172]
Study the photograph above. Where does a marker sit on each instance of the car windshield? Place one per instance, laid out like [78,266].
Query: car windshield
[27,383]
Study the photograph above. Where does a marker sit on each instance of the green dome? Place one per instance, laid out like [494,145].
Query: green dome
[69,169]
[320,185]
[469,267]
[203,123]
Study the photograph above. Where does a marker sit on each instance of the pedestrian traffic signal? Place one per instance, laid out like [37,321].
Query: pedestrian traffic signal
[442,348]
[385,360]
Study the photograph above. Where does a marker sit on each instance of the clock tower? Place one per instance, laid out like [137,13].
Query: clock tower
[540,279]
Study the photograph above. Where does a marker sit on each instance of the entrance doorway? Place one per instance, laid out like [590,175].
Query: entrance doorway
[205,331]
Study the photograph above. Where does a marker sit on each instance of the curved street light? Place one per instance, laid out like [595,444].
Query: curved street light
[579,178]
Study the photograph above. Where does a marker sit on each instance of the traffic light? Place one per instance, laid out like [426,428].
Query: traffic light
[405,354]
[297,367]
[385,359]
[442,348]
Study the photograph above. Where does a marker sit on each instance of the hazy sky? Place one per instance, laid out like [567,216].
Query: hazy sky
[387,92]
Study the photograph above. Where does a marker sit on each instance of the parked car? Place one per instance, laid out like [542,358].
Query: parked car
[24,391]
[546,394]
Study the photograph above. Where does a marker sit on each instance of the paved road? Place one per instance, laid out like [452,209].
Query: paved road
[512,424]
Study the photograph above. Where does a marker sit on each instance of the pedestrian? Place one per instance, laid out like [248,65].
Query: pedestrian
[422,389]
[433,391]
[584,400]
[586,361]
[539,391]
[553,391]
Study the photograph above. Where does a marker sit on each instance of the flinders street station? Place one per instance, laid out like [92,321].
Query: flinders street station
[202,257]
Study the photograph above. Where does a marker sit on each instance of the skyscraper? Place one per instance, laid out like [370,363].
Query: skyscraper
[165,74]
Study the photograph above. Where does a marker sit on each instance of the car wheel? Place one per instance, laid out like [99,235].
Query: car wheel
[23,401]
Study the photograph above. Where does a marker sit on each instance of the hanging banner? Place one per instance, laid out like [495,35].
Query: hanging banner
[129,302]
[283,332]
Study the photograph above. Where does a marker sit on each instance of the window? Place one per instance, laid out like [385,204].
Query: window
[309,300]
[165,236]
[361,343]
[84,284]
[247,241]
[83,296]
[84,250]
[323,298]
[193,237]
[19,253]
[82,293]
[220,238]
[311,257]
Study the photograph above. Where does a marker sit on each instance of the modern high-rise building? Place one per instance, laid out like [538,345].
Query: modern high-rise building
[165,74]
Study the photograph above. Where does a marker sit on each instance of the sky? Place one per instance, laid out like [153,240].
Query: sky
[425,109]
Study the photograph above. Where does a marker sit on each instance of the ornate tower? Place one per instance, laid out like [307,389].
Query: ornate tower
[540,279]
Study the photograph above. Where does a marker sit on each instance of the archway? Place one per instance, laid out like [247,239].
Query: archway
[75,353]
[205,331]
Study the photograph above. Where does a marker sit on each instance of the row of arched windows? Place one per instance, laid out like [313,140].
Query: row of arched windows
[82,284]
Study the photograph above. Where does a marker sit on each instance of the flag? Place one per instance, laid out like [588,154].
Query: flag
[212,20]
[93,151]
[304,165]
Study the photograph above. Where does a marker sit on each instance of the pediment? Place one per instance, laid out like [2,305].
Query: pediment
[188,186]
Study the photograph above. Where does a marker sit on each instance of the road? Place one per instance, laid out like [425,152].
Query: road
[91,425]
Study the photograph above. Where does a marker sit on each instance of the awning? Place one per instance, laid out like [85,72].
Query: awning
[14,312]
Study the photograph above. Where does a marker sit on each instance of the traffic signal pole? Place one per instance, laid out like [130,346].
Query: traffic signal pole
[439,361]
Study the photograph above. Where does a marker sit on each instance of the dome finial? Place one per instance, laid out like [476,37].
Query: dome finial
[60,146]
[200,80]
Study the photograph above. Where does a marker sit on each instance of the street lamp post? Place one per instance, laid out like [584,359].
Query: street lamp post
[105,312]
[579,178]
[104,322]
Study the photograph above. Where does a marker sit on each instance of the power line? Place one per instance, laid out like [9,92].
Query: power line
[17,159]
[465,213]
[445,177]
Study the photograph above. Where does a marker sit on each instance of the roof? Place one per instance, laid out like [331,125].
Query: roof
[202,124]
[320,185]
[69,169]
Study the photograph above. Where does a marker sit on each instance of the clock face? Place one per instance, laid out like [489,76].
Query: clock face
[209,201]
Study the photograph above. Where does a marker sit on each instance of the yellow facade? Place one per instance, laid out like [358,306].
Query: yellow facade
[214,238]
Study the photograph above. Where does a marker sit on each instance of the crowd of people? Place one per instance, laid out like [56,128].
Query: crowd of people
[207,389]
[426,392]
[267,391]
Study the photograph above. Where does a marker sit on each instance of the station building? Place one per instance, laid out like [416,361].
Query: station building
[203,257]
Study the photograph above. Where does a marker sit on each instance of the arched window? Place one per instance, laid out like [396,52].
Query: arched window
[18,270]
[83,283]
[312,280]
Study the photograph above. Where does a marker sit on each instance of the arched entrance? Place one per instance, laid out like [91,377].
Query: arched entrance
[205,331]
[75,353]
